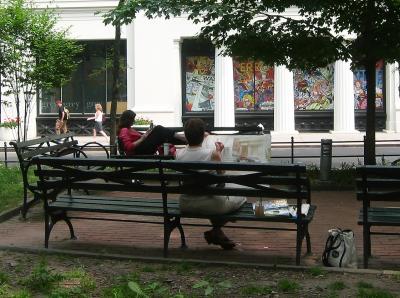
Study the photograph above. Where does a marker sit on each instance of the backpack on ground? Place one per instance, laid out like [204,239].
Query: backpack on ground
[66,111]
[340,249]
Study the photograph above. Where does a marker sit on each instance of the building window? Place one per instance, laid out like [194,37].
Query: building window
[313,90]
[91,83]
[360,88]
[254,85]
[200,76]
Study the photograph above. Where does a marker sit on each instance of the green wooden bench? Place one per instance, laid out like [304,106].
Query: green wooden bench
[377,184]
[52,145]
[161,179]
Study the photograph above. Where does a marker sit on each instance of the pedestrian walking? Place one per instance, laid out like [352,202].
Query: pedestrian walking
[98,122]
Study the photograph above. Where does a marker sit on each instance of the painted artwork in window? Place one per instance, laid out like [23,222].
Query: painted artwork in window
[254,85]
[313,90]
[360,88]
[200,79]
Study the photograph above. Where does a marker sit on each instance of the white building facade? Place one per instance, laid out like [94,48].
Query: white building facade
[169,76]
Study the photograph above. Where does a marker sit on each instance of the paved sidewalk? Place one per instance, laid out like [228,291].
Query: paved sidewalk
[334,209]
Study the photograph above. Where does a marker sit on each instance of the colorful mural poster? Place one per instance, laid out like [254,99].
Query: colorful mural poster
[199,83]
[360,88]
[313,90]
[254,85]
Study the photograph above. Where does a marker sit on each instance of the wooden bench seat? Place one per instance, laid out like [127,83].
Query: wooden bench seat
[382,216]
[114,190]
[154,207]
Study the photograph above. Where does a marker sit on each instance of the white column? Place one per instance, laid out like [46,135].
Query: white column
[343,98]
[224,106]
[177,82]
[130,61]
[283,101]
[392,98]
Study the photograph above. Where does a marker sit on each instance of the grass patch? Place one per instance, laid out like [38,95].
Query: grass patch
[337,286]
[288,286]
[253,290]
[130,286]
[12,195]
[316,271]
[184,268]
[148,269]
[3,278]
[374,293]
[41,278]
[364,285]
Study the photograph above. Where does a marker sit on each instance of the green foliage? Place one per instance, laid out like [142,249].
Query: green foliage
[148,269]
[42,278]
[374,293]
[34,55]
[3,278]
[288,286]
[364,285]
[337,286]
[10,123]
[210,288]
[316,271]
[11,196]
[265,29]
[184,268]
[254,290]
[340,178]
[142,121]
[130,286]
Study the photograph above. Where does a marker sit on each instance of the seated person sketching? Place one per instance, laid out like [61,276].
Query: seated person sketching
[134,142]
[207,204]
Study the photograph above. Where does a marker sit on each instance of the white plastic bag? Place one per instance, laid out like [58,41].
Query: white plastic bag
[340,249]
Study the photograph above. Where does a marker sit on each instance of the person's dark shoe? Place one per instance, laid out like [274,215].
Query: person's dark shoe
[219,238]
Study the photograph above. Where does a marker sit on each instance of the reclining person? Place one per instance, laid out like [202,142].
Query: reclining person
[134,142]
[207,204]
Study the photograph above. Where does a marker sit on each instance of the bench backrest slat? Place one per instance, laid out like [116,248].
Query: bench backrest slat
[48,149]
[42,140]
[378,183]
[165,177]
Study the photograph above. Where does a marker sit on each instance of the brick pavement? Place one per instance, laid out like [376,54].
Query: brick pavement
[334,209]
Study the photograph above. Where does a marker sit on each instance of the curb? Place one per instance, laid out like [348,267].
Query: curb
[6,215]
[78,253]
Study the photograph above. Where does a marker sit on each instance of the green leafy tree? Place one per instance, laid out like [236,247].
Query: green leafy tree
[34,55]
[299,34]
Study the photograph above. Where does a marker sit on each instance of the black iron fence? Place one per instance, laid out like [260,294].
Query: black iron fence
[6,150]
[293,145]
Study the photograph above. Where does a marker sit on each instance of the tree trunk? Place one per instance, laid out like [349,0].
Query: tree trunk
[370,62]
[369,146]
[115,87]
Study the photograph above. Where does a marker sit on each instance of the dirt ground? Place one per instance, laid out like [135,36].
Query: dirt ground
[20,277]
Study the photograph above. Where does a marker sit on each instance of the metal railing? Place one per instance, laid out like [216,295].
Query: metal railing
[292,144]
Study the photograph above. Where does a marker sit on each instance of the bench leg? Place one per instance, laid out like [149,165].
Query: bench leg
[299,240]
[308,239]
[24,210]
[367,244]
[167,233]
[179,226]
[47,229]
[169,226]
[71,228]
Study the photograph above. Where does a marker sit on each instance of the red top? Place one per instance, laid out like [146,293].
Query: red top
[128,137]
